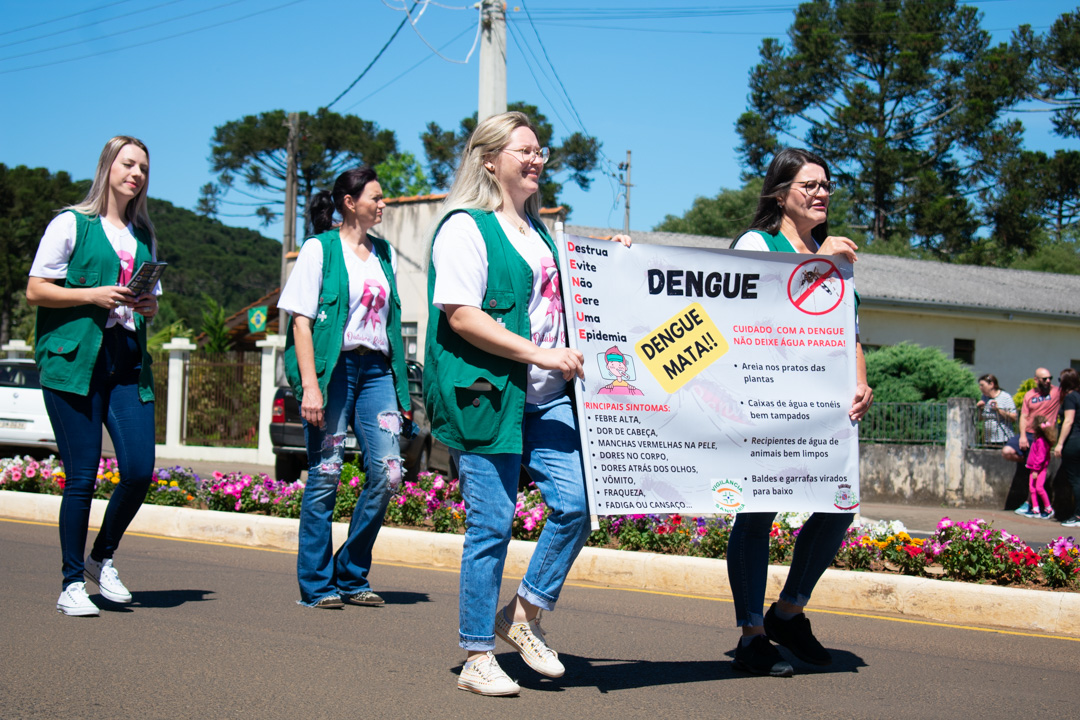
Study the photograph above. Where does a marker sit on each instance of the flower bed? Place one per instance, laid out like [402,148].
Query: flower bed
[970,551]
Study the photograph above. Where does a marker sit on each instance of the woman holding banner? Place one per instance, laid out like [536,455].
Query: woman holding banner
[496,383]
[792,216]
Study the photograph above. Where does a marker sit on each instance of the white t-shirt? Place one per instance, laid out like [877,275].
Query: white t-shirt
[369,294]
[58,242]
[755,241]
[460,258]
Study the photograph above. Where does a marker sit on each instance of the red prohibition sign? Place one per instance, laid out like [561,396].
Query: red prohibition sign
[812,287]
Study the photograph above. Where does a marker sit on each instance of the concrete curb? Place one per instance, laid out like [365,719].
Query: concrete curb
[921,598]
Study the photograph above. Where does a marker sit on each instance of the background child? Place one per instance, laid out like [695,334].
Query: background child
[1037,461]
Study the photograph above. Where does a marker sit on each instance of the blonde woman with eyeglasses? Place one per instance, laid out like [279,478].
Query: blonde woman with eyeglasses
[792,216]
[496,383]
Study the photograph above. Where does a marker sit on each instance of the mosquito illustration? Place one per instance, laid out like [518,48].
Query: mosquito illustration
[809,277]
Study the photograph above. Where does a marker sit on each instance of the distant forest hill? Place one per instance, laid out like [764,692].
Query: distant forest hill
[234,266]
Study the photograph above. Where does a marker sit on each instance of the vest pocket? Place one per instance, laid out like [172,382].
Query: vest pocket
[82,277]
[498,303]
[59,358]
[480,404]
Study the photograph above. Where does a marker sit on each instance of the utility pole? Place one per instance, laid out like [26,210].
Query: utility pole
[492,59]
[625,182]
[288,236]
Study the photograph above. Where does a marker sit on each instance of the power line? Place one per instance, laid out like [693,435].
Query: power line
[86,25]
[398,77]
[156,40]
[581,123]
[553,70]
[412,23]
[65,17]
[523,49]
[122,32]
[379,55]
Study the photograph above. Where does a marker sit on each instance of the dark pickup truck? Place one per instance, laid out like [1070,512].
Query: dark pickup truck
[420,452]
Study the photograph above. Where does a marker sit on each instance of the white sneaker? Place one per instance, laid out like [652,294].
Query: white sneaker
[528,639]
[74,601]
[484,677]
[108,580]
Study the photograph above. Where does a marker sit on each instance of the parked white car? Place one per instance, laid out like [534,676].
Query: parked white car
[23,419]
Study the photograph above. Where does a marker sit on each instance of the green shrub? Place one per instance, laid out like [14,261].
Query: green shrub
[910,373]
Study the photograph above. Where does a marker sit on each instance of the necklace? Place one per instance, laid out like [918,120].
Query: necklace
[521,228]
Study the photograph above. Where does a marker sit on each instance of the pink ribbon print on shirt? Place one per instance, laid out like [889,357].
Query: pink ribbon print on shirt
[552,294]
[373,298]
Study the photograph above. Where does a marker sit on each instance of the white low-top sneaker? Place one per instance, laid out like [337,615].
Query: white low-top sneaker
[74,601]
[108,580]
[528,639]
[484,677]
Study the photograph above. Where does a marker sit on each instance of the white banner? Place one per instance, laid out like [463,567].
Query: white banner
[716,381]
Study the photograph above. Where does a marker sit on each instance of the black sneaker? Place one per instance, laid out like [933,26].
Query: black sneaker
[796,636]
[364,597]
[761,658]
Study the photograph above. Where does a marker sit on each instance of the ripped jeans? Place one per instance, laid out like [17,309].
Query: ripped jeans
[360,393]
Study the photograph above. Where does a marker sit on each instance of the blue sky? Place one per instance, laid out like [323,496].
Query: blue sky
[72,74]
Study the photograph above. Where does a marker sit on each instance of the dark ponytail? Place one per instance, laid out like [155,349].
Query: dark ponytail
[323,204]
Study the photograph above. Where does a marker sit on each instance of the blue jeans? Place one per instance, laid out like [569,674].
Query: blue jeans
[748,560]
[360,393]
[77,419]
[551,453]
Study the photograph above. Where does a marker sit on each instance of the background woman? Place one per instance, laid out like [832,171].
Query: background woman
[345,360]
[91,352]
[1068,443]
[495,381]
[998,410]
[792,216]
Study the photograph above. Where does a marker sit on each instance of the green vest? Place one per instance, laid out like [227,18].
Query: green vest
[328,328]
[68,339]
[779,243]
[476,400]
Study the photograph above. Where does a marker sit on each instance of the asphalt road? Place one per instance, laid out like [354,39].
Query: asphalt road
[214,632]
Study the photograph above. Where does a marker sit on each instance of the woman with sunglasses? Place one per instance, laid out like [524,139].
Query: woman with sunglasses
[792,216]
[496,379]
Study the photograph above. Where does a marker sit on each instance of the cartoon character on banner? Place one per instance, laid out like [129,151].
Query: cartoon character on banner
[619,368]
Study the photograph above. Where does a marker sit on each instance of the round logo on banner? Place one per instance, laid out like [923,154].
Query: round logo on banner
[815,287]
[727,496]
[845,498]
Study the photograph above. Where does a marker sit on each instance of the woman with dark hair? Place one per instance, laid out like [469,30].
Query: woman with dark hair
[496,382]
[1068,444]
[345,360]
[998,410]
[95,369]
[792,216]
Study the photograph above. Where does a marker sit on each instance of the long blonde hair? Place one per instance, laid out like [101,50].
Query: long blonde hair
[474,186]
[96,201]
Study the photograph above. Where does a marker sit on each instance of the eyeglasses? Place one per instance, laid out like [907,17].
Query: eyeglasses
[1044,379]
[814,188]
[527,155]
